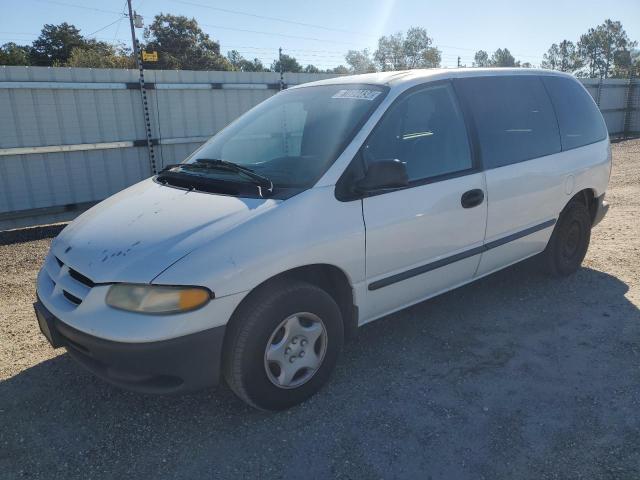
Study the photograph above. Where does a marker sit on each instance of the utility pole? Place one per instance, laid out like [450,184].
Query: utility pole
[134,42]
[143,92]
[281,72]
[629,105]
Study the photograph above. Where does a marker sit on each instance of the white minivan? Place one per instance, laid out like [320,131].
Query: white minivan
[327,206]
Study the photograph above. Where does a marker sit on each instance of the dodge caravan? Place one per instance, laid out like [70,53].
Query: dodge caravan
[327,206]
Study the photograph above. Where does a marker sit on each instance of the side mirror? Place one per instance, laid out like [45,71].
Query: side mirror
[383,174]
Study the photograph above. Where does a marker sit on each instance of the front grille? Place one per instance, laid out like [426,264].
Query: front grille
[81,278]
[73,285]
[72,298]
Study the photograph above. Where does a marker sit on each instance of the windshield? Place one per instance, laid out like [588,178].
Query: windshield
[293,137]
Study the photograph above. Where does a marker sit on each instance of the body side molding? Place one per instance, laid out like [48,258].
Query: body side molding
[399,277]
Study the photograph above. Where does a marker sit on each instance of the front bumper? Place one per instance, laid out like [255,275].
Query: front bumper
[602,207]
[176,365]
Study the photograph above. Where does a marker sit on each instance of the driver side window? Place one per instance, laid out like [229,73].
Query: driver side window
[425,131]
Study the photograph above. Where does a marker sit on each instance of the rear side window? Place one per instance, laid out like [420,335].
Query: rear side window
[578,116]
[514,118]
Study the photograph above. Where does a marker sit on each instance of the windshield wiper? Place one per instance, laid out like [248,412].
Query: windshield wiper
[260,181]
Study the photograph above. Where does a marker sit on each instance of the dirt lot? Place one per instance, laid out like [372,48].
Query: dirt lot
[514,376]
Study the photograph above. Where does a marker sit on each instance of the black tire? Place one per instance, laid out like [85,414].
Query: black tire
[569,241]
[250,331]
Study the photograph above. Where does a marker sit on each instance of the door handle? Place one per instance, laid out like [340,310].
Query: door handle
[472,198]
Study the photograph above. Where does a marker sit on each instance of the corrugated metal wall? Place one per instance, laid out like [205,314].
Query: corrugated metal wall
[619,102]
[96,116]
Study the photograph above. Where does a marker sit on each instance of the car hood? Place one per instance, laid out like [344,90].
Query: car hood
[137,233]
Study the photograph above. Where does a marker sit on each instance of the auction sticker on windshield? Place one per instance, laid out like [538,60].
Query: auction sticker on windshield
[360,94]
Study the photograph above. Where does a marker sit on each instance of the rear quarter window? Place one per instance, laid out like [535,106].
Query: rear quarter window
[513,117]
[579,119]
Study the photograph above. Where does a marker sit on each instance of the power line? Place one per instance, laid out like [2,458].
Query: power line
[105,27]
[21,33]
[246,50]
[300,37]
[75,5]
[221,27]
[302,55]
[104,39]
[476,49]
[115,35]
[452,55]
[336,52]
[275,19]
[301,58]
[122,14]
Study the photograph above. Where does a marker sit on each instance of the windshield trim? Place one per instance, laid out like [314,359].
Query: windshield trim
[286,191]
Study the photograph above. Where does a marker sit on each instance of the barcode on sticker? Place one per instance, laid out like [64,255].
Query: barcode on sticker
[360,94]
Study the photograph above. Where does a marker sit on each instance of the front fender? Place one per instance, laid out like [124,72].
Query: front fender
[309,228]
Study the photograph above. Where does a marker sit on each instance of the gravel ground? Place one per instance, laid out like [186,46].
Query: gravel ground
[514,376]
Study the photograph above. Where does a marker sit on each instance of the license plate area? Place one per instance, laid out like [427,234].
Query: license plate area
[46,322]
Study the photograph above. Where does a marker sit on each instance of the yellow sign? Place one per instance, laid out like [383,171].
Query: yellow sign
[150,56]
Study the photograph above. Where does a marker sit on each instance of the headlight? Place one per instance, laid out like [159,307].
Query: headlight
[157,298]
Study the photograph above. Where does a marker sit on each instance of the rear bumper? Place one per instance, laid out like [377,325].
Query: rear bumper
[177,365]
[602,207]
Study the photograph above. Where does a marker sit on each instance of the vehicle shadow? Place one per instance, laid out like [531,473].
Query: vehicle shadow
[516,375]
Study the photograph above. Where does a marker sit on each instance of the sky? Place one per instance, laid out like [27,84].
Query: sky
[320,32]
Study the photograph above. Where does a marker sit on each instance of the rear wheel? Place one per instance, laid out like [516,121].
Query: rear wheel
[282,345]
[569,241]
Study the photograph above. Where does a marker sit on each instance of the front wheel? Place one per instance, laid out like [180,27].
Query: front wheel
[569,241]
[282,345]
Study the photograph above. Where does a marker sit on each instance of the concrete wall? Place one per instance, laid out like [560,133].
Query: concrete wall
[70,137]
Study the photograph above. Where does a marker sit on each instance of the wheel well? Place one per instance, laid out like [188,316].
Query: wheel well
[588,199]
[333,281]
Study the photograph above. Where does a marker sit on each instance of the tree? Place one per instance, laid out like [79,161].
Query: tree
[551,59]
[311,69]
[626,63]
[503,58]
[181,44]
[400,52]
[590,52]
[635,62]
[100,55]
[360,61]
[339,70]
[55,43]
[481,59]
[390,55]
[63,45]
[13,54]
[563,57]
[604,48]
[289,64]
[241,64]
[235,59]
[419,52]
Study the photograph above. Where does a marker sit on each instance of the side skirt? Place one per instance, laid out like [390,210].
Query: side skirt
[445,290]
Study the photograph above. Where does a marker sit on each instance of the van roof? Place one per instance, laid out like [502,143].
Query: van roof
[401,77]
